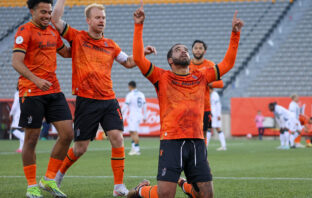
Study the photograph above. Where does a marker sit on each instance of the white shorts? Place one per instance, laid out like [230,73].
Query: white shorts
[134,124]
[215,123]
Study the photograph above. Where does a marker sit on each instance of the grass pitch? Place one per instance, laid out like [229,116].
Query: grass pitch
[248,169]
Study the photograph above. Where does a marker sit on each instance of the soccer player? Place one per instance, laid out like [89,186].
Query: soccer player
[305,122]
[135,104]
[286,121]
[216,117]
[294,106]
[34,58]
[199,49]
[16,130]
[92,59]
[181,96]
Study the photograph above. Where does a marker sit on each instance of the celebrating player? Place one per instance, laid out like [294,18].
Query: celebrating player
[34,57]
[92,59]
[181,96]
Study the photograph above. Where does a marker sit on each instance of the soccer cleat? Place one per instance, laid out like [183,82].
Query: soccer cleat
[181,181]
[33,192]
[134,152]
[18,150]
[299,145]
[221,149]
[51,187]
[120,190]
[134,193]
[280,147]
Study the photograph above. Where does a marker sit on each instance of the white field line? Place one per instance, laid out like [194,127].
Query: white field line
[108,149]
[221,178]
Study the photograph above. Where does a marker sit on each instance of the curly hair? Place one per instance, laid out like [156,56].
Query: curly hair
[33,3]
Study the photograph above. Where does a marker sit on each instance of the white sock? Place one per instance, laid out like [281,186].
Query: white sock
[286,140]
[137,148]
[133,145]
[292,139]
[18,134]
[208,137]
[222,139]
[282,139]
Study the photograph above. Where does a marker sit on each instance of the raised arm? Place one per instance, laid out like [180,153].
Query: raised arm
[138,46]
[57,14]
[216,84]
[229,59]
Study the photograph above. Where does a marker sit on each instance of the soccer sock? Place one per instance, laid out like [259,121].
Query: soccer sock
[22,137]
[118,164]
[137,147]
[132,145]
[298,139]
[286,138]
[292,139]
[68,161]
[188,188]
[18,134]
[282,139]
[208,137]
[148,192]
[222,139]
[53,166]
[30,174]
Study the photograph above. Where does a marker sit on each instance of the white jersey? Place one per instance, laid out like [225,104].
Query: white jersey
[294,109]
[15,111]
[286,118]
[136,105]
[215,104]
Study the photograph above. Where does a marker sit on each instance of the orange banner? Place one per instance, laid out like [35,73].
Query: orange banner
[244,111]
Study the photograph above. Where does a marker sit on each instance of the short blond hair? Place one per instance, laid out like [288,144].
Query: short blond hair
[93,5]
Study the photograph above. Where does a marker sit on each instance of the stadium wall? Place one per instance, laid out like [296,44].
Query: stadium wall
[244,111]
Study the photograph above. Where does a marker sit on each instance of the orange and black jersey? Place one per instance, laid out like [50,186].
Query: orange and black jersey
[181,98]
[92,61]
[216,84]
[40,47]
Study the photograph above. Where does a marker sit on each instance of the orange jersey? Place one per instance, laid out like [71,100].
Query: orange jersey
[203,66]
[92,61]
[40,47]
[181,98]
[303,119]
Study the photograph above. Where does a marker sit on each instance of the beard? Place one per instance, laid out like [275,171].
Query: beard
[198,57]
[184,62]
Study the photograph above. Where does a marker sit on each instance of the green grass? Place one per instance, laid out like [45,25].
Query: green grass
[248,169]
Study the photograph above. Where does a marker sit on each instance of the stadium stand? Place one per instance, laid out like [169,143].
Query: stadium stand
[167,24]
[290,69]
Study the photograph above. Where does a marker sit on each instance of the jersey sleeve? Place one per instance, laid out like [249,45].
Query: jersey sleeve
[217,84]
[117,50]
[149,70]
[69,33]
[212,73]
[21,40]
[60,44]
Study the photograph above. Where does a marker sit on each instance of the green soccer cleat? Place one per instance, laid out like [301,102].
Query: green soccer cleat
[33,192]
[51,187]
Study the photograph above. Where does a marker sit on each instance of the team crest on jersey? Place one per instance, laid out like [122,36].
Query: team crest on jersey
[19,40]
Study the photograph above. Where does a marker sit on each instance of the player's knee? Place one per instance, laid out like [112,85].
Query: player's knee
[165,192]
[80,150]
[203,190]
[116,138]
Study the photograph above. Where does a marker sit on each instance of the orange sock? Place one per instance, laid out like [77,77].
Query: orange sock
[118,164]
[30,174]
[68,161]
[298,139]
[188,188]
[53,166]
[149,192]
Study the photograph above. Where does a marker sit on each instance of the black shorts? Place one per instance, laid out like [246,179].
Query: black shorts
[53,107]
[90,113]
[207,121]
[188,155]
